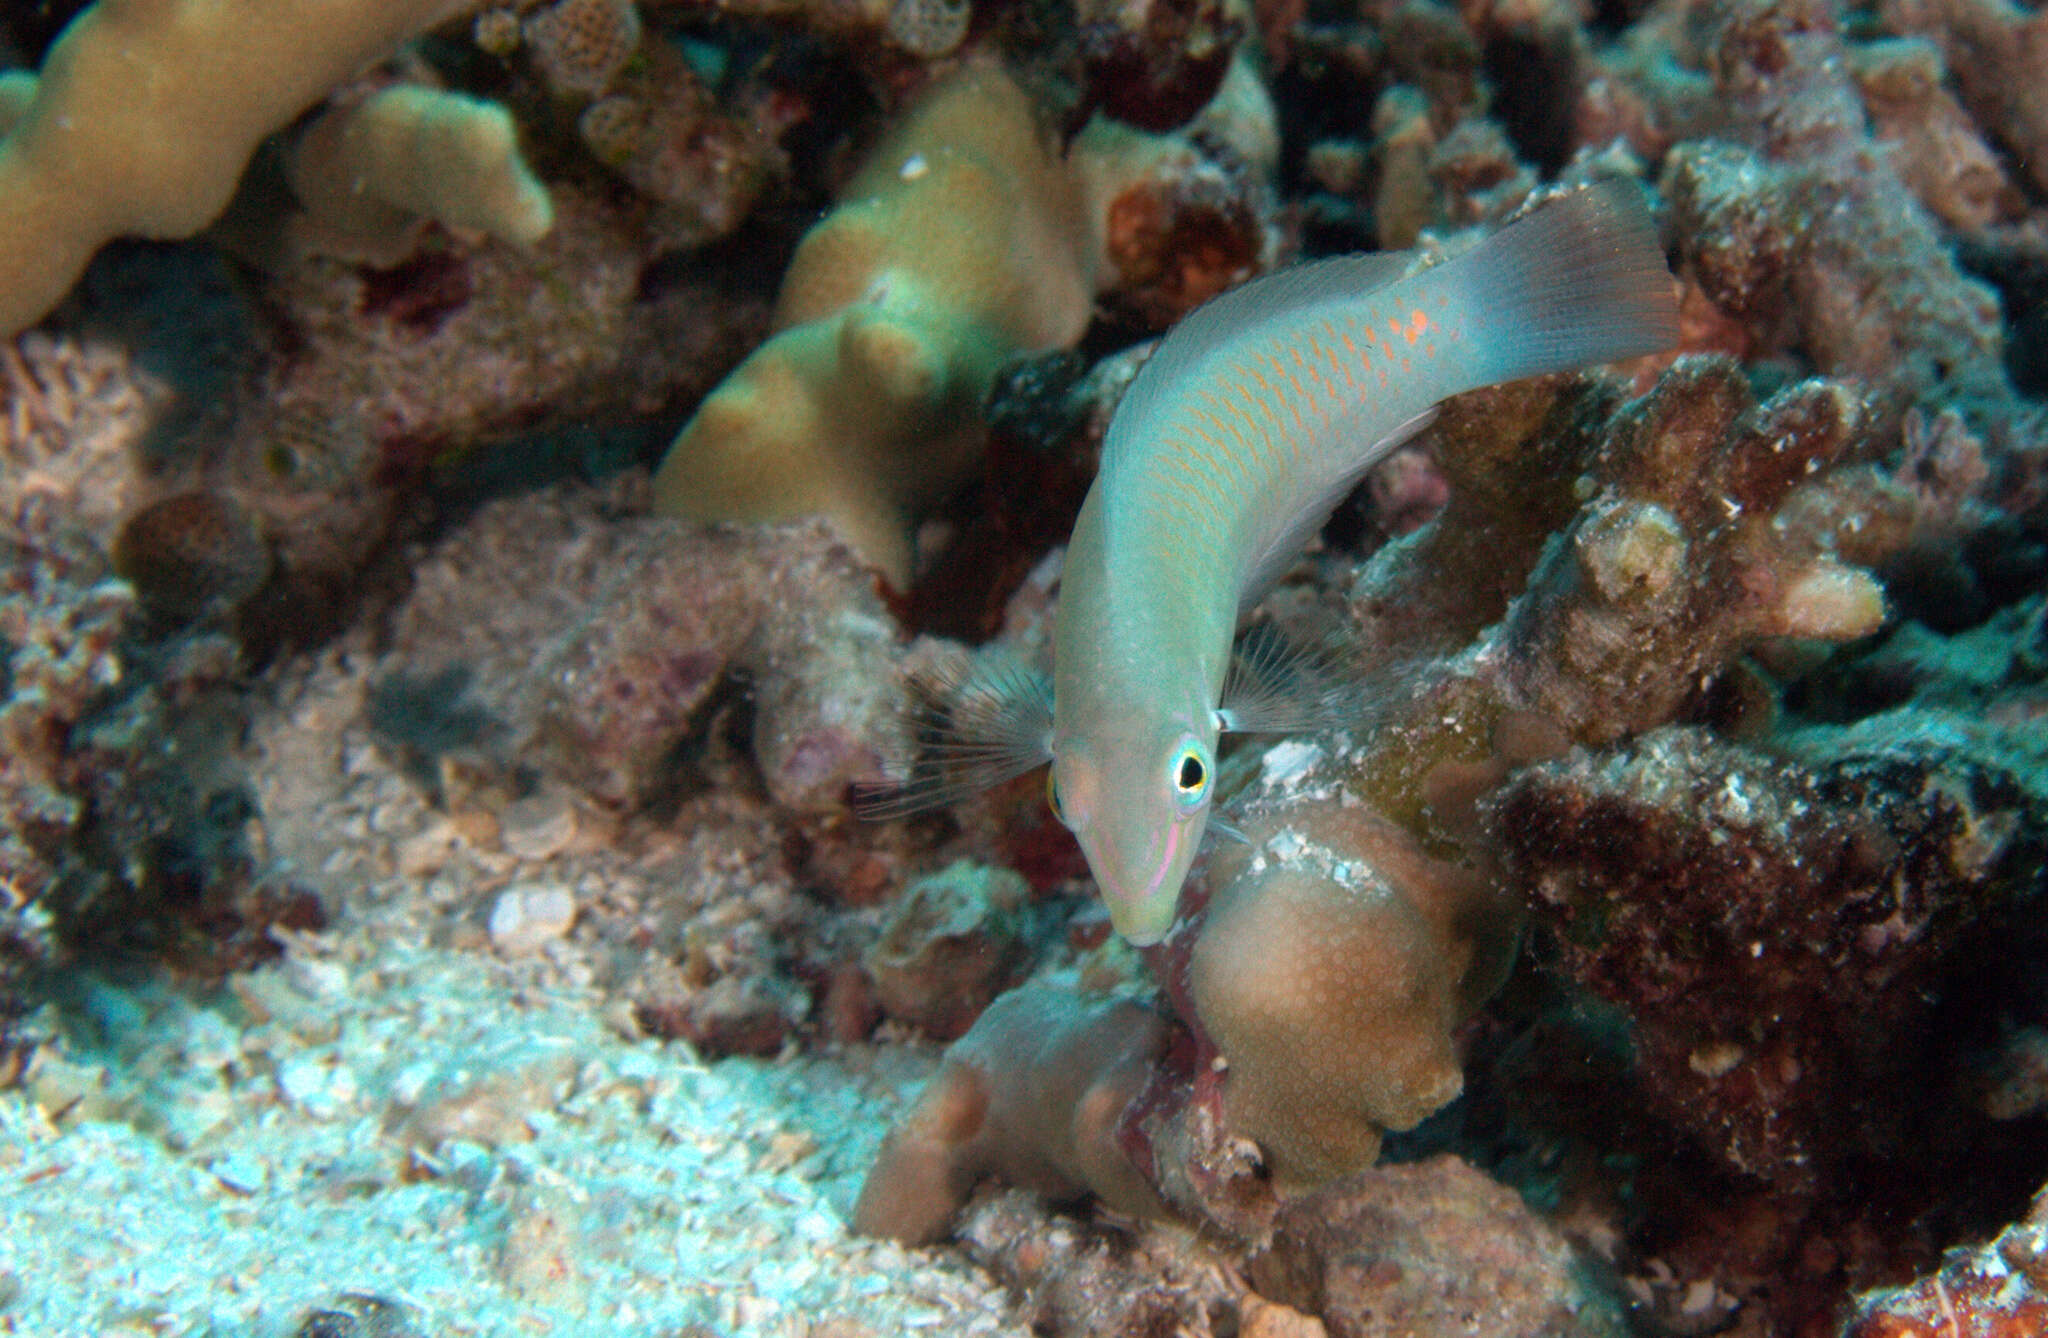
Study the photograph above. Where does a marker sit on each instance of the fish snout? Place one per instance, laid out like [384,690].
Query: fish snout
[1140,879]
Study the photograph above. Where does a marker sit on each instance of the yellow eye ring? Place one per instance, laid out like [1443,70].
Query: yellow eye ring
[1190,776]
[1052,797]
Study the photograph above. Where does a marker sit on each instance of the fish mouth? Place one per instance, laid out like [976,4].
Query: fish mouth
[1141,909]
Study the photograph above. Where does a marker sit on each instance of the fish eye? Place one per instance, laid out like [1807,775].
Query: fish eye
[1190,776]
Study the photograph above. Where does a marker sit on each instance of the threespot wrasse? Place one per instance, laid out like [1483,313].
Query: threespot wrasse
[1254,418]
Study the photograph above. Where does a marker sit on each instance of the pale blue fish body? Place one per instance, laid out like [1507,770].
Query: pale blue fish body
[1257,414]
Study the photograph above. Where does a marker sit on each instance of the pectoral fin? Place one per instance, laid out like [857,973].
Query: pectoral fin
[1276,686]
[974,732]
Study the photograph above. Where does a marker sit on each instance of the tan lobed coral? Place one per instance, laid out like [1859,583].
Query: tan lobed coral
[371,171]
[1334,962]
[1031,1096]
[145,113]
[963,241]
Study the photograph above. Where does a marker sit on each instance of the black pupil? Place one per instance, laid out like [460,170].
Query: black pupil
[1190,772]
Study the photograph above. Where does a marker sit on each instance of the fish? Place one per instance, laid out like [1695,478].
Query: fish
[1255,416]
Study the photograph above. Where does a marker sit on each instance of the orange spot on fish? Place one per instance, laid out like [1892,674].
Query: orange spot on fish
[1417,323]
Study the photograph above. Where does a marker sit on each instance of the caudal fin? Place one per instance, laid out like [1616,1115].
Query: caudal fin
[1581,280]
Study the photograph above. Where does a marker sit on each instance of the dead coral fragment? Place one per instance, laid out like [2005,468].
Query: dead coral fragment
[1422,1249]
[1998,53]
[1998,1290]
[1094,1284]
[704,159]
[950,945]
[1776,931]
[1875,291]
[146,112]
[593,651]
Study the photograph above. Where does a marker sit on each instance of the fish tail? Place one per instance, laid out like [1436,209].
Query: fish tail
[1581,280]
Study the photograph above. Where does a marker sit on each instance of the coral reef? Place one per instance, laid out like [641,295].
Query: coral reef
[1785,77]
[637,627]
[1678,876]
[1833,900]
[1992,51]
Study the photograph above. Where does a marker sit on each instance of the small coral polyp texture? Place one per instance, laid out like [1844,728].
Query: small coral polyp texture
[579,46]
